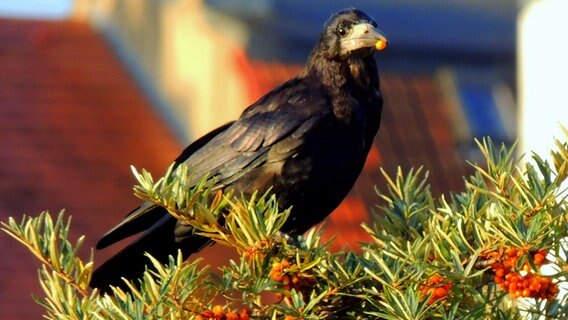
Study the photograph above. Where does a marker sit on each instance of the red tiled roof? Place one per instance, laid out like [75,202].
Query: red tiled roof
[72,121]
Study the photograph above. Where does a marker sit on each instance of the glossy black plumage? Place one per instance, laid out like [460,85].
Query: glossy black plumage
[307,138]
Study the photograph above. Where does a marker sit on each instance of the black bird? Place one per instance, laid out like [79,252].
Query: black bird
[307,138]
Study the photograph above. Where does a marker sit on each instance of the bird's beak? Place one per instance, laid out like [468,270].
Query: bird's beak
[364,35]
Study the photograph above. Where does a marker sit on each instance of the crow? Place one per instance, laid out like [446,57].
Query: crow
[307,139]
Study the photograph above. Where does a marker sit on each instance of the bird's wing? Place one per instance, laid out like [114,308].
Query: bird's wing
[269,131]
[197,144]
[145,216]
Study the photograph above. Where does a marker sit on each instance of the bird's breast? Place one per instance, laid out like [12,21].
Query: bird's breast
[325,167]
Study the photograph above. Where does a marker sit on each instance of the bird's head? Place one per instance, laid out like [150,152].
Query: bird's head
[351,32]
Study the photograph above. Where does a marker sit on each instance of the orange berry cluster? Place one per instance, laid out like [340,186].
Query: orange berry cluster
[436,287]
[218,313]
[529,284]
[258,249]
[298,281]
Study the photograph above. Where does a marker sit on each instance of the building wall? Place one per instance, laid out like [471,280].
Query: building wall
[542,74]
[187,58]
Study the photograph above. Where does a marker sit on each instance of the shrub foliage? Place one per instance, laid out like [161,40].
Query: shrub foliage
[494,251]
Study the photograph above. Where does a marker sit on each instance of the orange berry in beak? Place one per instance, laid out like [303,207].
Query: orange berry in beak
[380,44]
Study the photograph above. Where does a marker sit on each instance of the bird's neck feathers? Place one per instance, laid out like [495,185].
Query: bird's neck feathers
[364,72]
[359,73]
[356,76]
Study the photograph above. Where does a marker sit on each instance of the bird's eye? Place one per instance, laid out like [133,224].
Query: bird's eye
[341,31]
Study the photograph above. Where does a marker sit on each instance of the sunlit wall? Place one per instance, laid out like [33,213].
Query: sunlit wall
[543,73]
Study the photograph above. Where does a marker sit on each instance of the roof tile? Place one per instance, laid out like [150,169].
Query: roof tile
[71,122]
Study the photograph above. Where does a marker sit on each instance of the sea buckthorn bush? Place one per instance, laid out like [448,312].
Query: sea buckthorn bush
[480,253]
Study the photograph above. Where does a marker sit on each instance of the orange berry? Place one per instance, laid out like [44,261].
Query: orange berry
[544,286]
[440,292]
[496,265]
[539,258]
[534,286]
[500,272]
[525,283]
[232,316]
[436,287]
[380,45]
[277,277]
[508,263]
[553,289]
[276,266]
[295,279]
[244,314]
[218,311]
[515,277]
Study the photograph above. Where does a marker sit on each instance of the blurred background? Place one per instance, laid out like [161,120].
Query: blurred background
[90,87]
